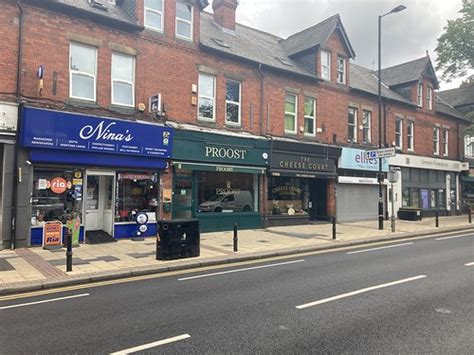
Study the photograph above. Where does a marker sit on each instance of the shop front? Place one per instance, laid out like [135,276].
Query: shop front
[358,187]
[428,183]
[301,183]
[217,179]
[93,173]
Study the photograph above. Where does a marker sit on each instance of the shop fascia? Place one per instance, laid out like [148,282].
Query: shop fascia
[356,159]
[428,163]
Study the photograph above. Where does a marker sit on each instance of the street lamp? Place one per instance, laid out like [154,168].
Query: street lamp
[380,175]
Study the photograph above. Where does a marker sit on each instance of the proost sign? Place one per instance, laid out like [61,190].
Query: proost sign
[67,131]
[356,159]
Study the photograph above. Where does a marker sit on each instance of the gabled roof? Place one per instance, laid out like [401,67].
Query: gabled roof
[408,72]
[317,35]
[442,106]
[464,95]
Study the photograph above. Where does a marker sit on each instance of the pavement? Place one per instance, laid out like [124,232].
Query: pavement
[30,269]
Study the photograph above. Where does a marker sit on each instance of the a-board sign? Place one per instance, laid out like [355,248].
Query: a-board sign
[52,235]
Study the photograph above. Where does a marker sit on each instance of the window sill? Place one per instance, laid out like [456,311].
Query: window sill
[82,103]
[125,110]
[233,126]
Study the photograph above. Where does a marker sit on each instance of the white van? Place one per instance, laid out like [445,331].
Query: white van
[241,201]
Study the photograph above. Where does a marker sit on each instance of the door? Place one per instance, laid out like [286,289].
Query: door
[183,197]
[99,201]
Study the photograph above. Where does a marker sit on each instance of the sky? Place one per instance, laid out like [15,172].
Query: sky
[406,35]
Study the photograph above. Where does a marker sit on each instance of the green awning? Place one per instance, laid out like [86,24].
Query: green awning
[219,168]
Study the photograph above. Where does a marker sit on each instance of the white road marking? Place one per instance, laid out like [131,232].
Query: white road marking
[469,264]
[456,236]
[372,249]
[152,345]
[240,270]
[353,293]
[44,301]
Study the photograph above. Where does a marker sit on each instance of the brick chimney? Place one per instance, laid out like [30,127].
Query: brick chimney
[224,13]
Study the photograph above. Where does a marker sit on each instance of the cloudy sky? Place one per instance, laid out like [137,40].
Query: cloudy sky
[406,35]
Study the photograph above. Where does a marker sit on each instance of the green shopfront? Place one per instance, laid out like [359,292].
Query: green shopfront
[217,179]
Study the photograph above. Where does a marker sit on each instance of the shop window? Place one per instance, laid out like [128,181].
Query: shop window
[406,197]
[425,198]
[441,199]
[207,98]
[232,102]
[352,125]
[433,199]
[123,80]
[57,196]
[154,14]
[184,21]
[288,196]
[415,174]
[291,103]
[309,116]
[136,192]
[82,72]
[227,192]
[414,197]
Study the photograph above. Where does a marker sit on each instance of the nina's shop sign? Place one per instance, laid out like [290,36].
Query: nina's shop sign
[66,131]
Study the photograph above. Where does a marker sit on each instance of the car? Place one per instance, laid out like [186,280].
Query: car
[240,201]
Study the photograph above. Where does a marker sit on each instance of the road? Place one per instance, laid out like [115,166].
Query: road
[410,296]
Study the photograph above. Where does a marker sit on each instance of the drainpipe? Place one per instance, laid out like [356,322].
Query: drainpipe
[262,97]
[16,176]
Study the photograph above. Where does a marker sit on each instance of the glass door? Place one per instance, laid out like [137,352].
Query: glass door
[99,201]
[183,196]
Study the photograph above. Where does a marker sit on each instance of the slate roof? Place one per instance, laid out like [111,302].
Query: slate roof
[406,72]
[248,43]
[442,106]
[315,36]
[464,95]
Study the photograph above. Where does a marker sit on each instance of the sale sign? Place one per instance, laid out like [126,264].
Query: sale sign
[52,235]
[58,185]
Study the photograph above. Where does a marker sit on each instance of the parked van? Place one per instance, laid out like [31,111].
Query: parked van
[241,201]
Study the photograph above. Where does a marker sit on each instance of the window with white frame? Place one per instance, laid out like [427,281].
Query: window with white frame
[445,142]
[469,146]
[82,72]
[341,70]
[419,96]
[410,135]
[309,116]
[207,97]
[366,124]
[184,21]
[398,133]
[123,80]
[326,65]
[154,14]
[352,124]
[436,140]
[232,102]
[291,104]
[429,98]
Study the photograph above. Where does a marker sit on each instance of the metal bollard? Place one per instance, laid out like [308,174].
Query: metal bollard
[68,250]
[469,214]
[437,218]
[333,227]
[235,238]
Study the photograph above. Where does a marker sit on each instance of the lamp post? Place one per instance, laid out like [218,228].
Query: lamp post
[380,174]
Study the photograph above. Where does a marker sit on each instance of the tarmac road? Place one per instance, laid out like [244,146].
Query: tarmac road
[404,297]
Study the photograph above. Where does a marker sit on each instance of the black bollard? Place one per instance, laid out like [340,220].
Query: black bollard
[437,218]
[333,228]
[235,238]
[469,213]
[68,250]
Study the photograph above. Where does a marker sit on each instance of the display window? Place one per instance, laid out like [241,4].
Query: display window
[57,196]
[136,192]
[288,196]
[227,192]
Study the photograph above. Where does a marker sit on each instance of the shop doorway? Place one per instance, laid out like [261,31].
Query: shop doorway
[319,200]
[99,205]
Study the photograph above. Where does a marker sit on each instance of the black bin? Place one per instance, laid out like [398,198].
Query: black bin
[177,238]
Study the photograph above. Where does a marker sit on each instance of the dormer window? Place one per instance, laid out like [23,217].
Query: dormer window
[341,70]
[326,65]
[184,21]
[429,98]
[154,14]
[419,96]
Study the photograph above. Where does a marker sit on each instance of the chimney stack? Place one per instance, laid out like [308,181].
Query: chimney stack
[224,13]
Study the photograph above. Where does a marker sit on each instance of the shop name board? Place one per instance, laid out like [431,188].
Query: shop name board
[67,131]
[225,153]
[310,164]
[357,159]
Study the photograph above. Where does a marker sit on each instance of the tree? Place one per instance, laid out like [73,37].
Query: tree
[456,45]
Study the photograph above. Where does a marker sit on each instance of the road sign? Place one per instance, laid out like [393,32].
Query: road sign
[380,153]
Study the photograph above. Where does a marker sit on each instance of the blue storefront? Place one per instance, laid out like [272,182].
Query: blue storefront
[93,172]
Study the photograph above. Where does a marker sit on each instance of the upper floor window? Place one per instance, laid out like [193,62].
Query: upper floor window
[207,97]
[352,125]
[309,116]
[83,72]
[436,140]
[445,142]
[398,133]
[291,104]
[123,80]
[232,102]
[326,65]
[429,98]
[366,124]
[419,95]
[154,14]
[469,146]
[341,70]
[410,135]
[184,21]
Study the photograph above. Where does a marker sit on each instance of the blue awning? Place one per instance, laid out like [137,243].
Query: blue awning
[63,157]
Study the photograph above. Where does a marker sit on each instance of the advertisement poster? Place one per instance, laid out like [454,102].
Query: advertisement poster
[52,235]
[75,226]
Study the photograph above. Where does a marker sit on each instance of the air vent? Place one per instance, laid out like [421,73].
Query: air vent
[285,62]
[221,42]
[98,5]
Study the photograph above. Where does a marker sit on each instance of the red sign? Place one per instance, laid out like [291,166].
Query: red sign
[52,234]
[58,185]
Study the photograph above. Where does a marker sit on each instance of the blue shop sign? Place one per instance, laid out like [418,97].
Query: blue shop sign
[47,129]
[355,159]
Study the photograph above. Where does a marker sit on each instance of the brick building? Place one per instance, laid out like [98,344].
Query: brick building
[131,106]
